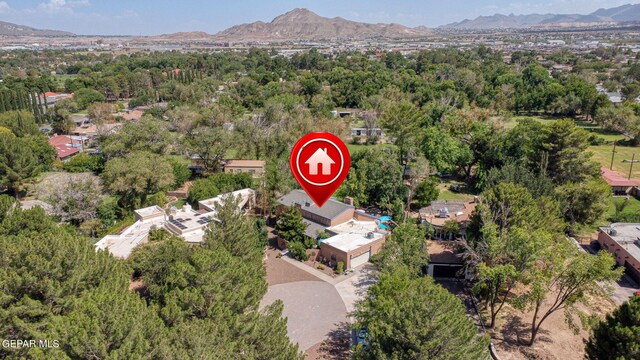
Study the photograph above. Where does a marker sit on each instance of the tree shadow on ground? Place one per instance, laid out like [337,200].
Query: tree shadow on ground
[515,334]
[338,343]
[367,279]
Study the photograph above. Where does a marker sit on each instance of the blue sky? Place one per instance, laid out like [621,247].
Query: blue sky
[149,17]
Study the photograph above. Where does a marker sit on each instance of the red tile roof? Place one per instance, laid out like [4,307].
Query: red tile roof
[614,179]
[62,144]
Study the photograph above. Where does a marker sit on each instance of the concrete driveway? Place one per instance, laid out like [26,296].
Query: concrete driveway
[623,289]
[354,287]
[312,308]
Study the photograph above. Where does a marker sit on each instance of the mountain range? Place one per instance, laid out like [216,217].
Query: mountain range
[620,14]
[9,29]
[303,24]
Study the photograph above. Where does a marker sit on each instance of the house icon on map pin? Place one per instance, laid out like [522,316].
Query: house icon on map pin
[320,157]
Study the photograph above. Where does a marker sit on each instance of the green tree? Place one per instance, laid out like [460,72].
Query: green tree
[45,153]
[405,247]
[217,184]
[291,227]
[411,317]
[137,175]
[566,276]
[17,163]
[85,97]
[584,203]
[426,192]
[617,336]
[106,322]
[69,266]
[565,146]
[494,284]
[382,177]
[402,121]
[211,145]
[198,282]
[21,123]
[234,232]
[181,172]
[84,162]
[298,251]
[148,134]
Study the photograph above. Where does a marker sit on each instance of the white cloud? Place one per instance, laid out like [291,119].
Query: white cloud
[53,6]
[4,7]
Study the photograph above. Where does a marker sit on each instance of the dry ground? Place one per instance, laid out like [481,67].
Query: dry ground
[555,339]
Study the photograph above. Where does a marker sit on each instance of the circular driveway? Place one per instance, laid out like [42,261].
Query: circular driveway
[313,309]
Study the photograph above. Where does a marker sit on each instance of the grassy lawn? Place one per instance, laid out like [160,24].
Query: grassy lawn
[632,208]
[60,79]
[602,155]
[464,194]
[356,147]
[608,136]
[541,119]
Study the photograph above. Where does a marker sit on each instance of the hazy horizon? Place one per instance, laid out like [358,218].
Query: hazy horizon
[120,17]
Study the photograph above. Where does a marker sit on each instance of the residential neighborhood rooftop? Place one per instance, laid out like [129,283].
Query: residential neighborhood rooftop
[151,210]
[186,222]
[614,179]
[245,163]
[626,235]
[65,145]
[352,240]
[440,211]
[329,210]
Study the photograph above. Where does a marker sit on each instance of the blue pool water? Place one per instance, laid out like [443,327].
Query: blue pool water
[384,218]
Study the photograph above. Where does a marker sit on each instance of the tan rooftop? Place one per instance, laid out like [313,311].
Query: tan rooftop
[245,163]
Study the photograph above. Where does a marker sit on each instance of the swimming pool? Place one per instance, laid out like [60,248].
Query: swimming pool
[384,218]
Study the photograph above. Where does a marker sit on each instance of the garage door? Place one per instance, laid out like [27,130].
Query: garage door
[446,271]
[360,259]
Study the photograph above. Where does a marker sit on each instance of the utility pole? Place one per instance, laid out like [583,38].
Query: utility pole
[633,158]
[613,153]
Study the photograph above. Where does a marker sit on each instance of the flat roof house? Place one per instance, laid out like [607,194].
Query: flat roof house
[187,223]
[354,243]
[253,167]
[622,240]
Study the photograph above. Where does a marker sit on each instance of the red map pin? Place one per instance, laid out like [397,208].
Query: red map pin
[320,162]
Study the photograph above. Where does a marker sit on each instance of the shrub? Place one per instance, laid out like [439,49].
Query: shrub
[340,267]
[217,184]
[595,140]
[180,172]
[84,162]
[139,101]
[298,251]
[320,267]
